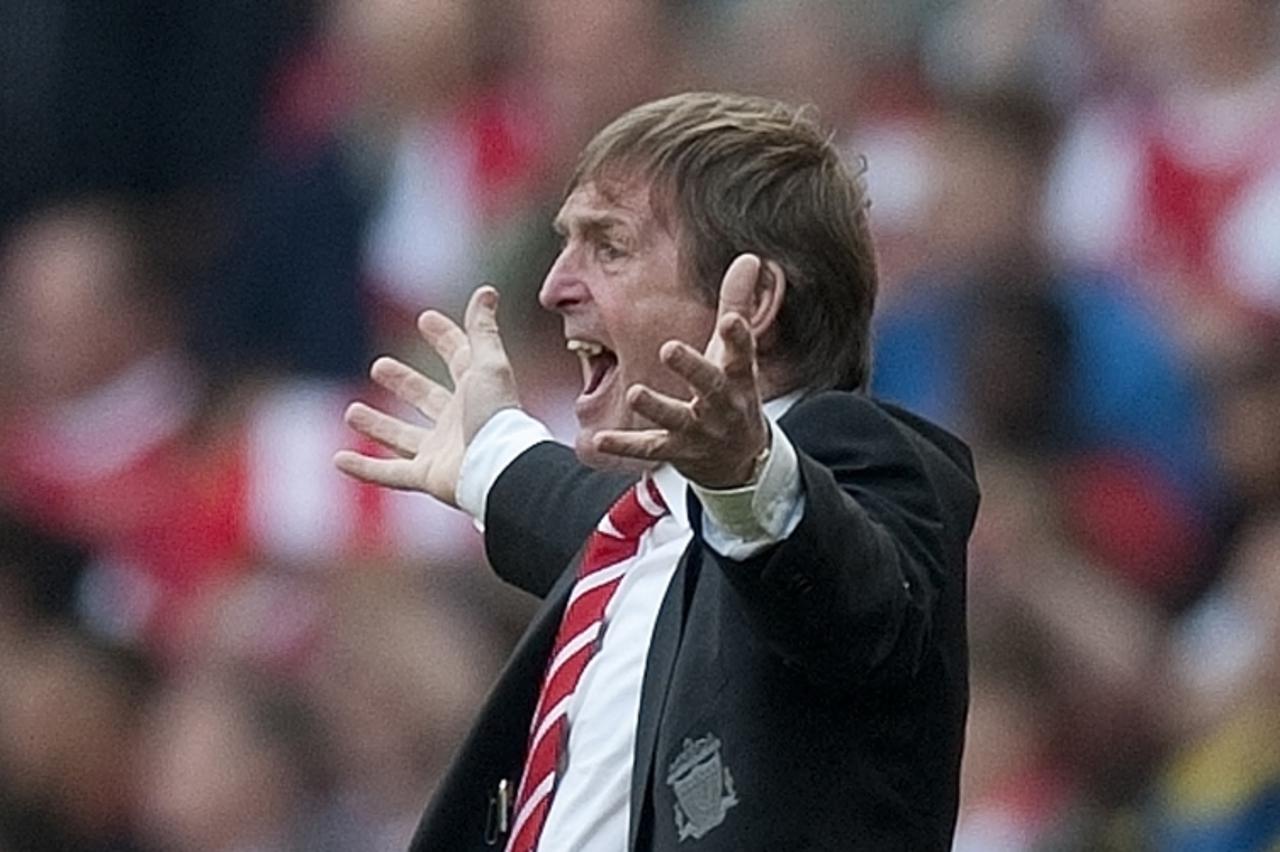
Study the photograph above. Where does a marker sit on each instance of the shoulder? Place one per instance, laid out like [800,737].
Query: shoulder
[841,424]
[901,468]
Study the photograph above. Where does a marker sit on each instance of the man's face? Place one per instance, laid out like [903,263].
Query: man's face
[617,287]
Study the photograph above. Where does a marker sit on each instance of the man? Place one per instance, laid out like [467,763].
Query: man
[776,655]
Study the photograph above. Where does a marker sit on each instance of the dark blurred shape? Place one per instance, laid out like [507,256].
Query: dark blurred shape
[1016,364]
[231,760]
[128,96]
[38,572]
[72,711]
[1247,397]
[284,296]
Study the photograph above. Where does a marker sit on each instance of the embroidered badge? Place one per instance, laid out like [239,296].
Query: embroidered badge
[703,786]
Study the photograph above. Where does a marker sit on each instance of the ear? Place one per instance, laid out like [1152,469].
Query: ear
[770,290]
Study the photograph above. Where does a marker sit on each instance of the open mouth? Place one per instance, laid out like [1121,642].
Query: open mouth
[598,363]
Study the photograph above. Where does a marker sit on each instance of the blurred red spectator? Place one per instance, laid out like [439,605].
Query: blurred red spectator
[108,443]
[1176,177]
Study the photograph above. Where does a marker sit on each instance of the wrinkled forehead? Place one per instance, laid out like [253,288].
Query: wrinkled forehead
[607,199]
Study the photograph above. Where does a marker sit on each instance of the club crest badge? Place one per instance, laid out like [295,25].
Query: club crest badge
[703,786]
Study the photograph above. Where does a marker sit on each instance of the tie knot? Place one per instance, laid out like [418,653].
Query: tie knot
[636,510]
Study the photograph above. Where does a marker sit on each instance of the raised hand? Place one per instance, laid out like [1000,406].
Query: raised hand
[715,438]
[428,458]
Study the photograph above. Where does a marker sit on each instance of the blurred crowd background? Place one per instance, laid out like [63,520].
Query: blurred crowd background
[213,213]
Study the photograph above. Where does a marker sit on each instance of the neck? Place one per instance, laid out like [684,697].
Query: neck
[774,382]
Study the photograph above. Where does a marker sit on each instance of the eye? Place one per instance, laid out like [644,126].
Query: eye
[608,250]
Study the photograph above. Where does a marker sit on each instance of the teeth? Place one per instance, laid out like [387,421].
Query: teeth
[586,347]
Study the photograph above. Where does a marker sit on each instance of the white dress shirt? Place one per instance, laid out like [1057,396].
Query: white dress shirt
[590,811]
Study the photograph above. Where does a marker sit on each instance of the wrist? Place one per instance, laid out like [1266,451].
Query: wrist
[743,475]
[758,463]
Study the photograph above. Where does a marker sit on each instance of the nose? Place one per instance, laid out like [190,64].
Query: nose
[564,286]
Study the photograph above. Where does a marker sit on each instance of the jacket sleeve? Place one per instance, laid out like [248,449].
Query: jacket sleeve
[876,564]
[541,510]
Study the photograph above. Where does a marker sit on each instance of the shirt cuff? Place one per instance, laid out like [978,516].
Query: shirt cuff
[500,441]
[740,522]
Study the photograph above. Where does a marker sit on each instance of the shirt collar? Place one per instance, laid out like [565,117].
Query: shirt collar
[780,405]
[671,485]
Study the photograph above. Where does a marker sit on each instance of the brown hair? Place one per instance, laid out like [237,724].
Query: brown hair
[738,174]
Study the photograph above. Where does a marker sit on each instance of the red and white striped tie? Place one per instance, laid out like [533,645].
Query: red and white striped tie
[609,550]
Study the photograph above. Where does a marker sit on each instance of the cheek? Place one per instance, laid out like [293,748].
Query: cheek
[689,322]
[683,328]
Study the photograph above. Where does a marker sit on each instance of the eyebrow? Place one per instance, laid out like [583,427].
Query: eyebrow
[589,222]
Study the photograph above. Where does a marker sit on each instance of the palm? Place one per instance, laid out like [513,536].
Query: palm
[429,458]
[438,459]
[440,451]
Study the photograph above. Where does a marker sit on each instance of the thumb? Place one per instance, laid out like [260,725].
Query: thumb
[738,287]
[481,323]
[737,296]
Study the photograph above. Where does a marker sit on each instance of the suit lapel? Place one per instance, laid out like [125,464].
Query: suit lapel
[535,644]
[659,665]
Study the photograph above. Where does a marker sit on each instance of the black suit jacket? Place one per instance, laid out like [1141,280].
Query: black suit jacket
[810,697]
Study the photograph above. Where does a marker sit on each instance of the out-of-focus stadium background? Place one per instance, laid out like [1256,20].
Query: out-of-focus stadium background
[214,212]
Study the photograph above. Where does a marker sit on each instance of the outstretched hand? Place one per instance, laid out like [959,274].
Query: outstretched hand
[715,438]
[429,458]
